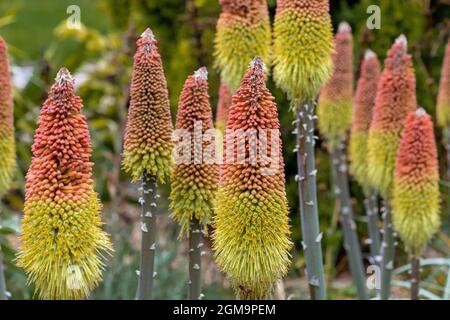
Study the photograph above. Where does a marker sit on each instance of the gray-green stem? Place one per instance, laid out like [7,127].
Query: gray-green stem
[371,205]
[195,261]
[415,277]
[351,242]
[309,216]
[387,252]
[148,242]
[3,292]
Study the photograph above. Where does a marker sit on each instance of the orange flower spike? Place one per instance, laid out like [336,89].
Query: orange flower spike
[194,185]
[415,200]
[62,238]
[336,98]
[148,135]
[362,117]
[443,103]
[7,142]
[396,97]
[252,234]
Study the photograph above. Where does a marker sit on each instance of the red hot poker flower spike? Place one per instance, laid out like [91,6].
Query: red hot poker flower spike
[336,98]
[251,238]
[62,236]
[7,142]
[194,184]
[415,200]
[362,117]
[148,134]
[396,97]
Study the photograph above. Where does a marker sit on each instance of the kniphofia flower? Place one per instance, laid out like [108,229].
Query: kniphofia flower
[303,43]
[62,238]
[415,201]
[195,178]
[251,237]
[336,97]
[148,135]
[396,97]
[366,91]
[7,142]
[243,32]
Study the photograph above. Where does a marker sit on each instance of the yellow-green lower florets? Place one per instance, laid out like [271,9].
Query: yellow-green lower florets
[7,162]
[303,43]
[62,246]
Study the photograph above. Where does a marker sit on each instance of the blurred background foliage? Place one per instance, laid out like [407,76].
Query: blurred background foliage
[99,54]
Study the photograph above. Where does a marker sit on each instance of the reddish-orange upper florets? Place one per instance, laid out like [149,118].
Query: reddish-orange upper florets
[417,154]
[61,168]
[396,95]
[366,92]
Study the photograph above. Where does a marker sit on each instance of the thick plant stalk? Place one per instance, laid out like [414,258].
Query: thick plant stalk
[195,261]
[3,292]
[371,206]
[415,277]
[148,241]
[387,252]
[351,242]
[309,214]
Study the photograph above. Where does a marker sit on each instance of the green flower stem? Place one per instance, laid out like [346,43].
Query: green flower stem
[371,206]
[309,215]
[3,292]
[387,252]
[148,242]
[415,277]
[195,261]
[351,242]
